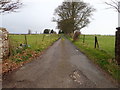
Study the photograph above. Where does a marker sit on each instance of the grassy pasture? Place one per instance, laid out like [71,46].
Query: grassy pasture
[103,56]
[106,43]
[36,42]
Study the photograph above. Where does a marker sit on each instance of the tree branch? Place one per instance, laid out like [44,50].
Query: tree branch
[114,5]
[9,5]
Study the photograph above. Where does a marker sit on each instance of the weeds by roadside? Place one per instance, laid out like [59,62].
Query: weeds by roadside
[20,56]
[103,56]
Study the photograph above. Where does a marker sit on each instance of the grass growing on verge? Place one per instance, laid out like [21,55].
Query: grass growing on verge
[37,44]
[103,56]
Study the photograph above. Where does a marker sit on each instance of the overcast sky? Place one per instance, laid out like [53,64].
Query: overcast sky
[36,15]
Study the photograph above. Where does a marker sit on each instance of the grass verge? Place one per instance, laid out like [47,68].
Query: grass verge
[103,56]
[19,56]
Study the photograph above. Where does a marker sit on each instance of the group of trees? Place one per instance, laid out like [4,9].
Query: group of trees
[70,15]
[29,31]
[60,32]
[73,16]
[48,31]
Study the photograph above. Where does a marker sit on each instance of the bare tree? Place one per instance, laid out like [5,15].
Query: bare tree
[114,4]
[72,16]
[9,5]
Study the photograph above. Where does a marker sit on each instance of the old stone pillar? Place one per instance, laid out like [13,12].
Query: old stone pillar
[4,43]
[1,56]
[117,46]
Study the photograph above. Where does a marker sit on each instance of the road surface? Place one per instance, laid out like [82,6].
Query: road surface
[62,66]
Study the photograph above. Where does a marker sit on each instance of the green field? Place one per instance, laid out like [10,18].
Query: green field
[103,56]
[36,43]
[106,43]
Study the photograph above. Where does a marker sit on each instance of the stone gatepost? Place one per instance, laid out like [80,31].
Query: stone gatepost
[117,46]
[4,43]
[1,55]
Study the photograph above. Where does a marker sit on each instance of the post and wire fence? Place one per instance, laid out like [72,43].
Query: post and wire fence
[96,44]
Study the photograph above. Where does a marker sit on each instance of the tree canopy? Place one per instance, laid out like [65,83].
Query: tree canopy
[46,31]
[71,16]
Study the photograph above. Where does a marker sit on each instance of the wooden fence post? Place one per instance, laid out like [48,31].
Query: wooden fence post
[117,46]
[36,39]
[96,42]
[26,40]
[43,37]
[9,41]
[84,39]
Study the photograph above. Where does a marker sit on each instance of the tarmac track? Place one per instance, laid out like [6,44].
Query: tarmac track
[62,66]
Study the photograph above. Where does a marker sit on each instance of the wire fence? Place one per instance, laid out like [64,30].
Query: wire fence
[101,42]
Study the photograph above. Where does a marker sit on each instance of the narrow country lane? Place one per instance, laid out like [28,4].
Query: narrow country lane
[62,66]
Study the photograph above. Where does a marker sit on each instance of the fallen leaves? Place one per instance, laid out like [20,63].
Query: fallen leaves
[25,56]
[10,64]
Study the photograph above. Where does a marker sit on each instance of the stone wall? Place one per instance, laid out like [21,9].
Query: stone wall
[4,43]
